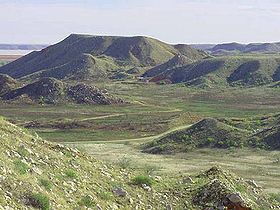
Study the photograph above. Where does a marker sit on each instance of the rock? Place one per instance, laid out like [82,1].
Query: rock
[36,170]
[253,184]
[98,207]
[188,180]
[145,187]
[157,178]
[169,207]
[235,198]
[118,191]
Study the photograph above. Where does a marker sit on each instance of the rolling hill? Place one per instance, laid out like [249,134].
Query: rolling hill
[262,132]
[229,70]
[36,174]
[52,91]
[237,48]
[83,56]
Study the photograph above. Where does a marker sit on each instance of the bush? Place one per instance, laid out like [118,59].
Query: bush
[46,184]
[70,174]
[21,167]
[86,201]
[39,201]
[139,180]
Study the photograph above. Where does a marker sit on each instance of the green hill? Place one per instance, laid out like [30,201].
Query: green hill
[260,132]
[206,133]
[94,56]
[36,174]
[52,91]
[232,70]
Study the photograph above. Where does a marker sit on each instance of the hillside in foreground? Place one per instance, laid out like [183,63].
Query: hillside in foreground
[36,174]
[96,57]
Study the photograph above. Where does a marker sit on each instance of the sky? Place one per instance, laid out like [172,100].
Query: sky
[172,21]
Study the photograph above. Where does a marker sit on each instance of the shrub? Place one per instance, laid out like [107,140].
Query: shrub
[39,201]
[139,180]
[46,184]
[70,174]
[86,201]
[21,167]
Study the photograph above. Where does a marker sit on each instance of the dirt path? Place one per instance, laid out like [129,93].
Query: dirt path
[143,139]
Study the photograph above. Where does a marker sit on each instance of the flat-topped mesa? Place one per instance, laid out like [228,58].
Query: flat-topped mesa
[120,53]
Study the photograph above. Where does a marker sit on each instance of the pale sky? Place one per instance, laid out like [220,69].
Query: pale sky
[173,21]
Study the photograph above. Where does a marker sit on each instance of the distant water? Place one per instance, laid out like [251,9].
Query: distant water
[14,52]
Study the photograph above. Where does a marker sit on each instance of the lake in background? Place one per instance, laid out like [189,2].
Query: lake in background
[14,52]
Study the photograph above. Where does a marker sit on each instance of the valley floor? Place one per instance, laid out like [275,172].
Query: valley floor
[113,133]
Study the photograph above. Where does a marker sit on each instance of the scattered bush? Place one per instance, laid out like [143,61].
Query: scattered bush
[70,174]
[39,201]
[46,184]
[21,167]
[86,201]
[139,180]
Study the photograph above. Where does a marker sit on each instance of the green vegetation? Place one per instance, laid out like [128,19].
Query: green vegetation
[86,201]
[140,180]
[39,201]
[47,184]
[21,167]
[70,174]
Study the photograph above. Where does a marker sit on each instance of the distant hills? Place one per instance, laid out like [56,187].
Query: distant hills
[95,57]
[236,48]
[226,71]
[22,46]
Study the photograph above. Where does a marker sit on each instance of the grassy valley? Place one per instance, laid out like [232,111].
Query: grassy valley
[141,124]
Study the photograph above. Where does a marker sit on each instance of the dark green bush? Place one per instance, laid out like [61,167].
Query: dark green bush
[70,174]
[21,167]
[139,180]
[46,184]
[39,201]
[86,201]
